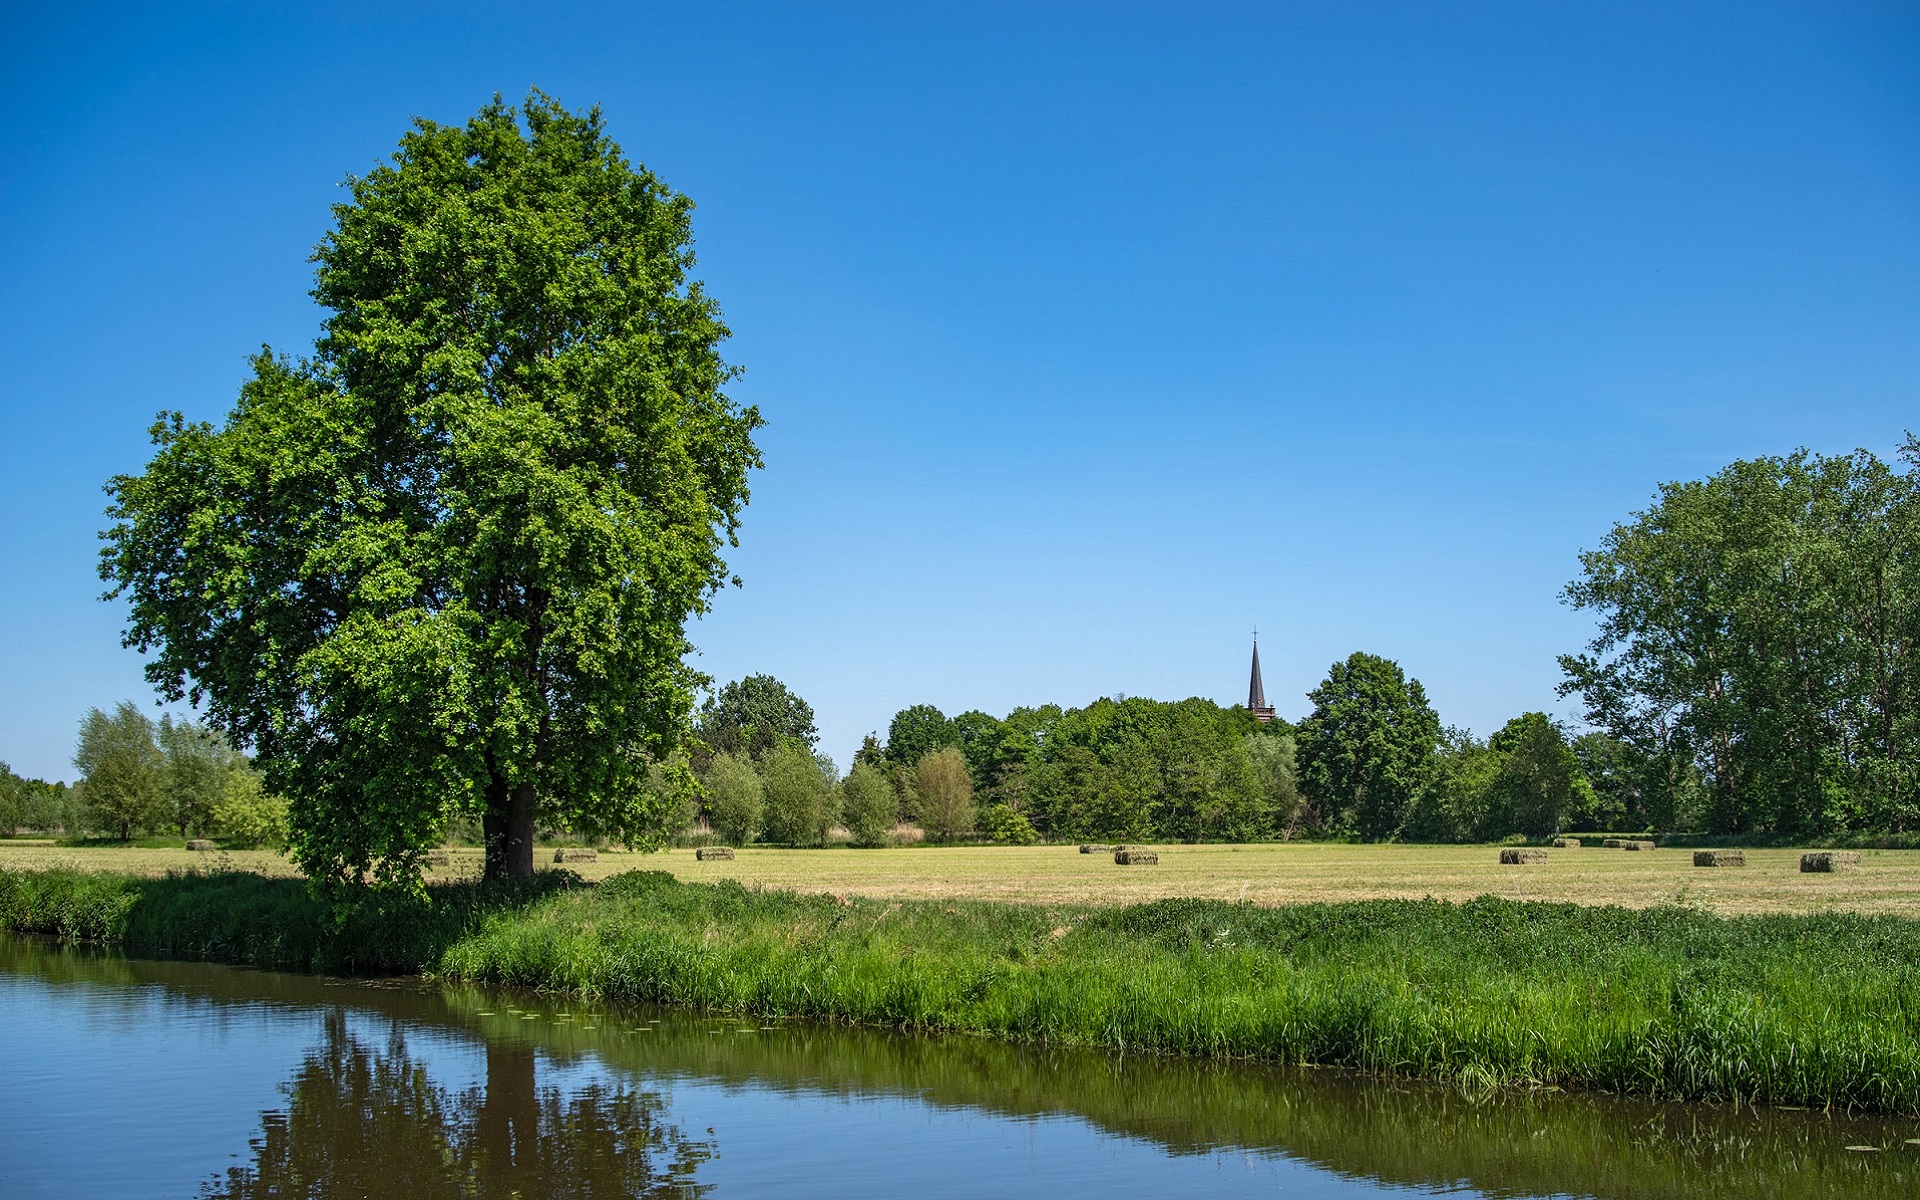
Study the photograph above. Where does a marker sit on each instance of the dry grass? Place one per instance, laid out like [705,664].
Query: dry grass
[1887,882]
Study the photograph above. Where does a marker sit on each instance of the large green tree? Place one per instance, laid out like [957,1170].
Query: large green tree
[1367,749]
[1760,631]
[445,564]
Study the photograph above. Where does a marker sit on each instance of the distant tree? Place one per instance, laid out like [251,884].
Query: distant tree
[445,563]
[121,767]
[13,800]
[753,715]
[1003,825]
[736,799]
[945,788]
[917,731]
[1757,634]
[246,813]
[199,764]
[869,804]
[801,803]
[1367,749]
[871,752]
[1277,776]
[1539,785]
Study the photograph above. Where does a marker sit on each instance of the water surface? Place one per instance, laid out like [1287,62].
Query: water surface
[123,1077]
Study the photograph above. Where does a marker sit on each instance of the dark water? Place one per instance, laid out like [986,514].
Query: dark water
[130,1078]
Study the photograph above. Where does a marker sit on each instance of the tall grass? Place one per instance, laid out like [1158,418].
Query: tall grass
[1790,1010]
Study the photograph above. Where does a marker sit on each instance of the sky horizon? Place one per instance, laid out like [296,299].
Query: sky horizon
[1089,337]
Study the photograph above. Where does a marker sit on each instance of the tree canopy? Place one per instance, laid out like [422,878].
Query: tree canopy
[1759,645]
[1366,752]
[753,715]
[444,565]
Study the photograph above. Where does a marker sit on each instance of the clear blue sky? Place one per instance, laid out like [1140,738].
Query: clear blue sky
[1090,336]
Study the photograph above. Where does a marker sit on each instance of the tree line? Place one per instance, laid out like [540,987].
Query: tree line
[139,776]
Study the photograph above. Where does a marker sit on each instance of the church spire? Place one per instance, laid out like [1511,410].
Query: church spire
[1256,691]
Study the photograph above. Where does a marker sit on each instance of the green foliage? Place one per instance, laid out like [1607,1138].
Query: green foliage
[1276,775]
[444,566]
[1757,647]
[736,799]
[1007,827]
[122,770]
[247,814]
[801,803]
[1662,1002]
[868,804]
[945,792]
[916,732]
[1366,752]
[753,715]
[1666,1002]
[200,766]
[1540,785]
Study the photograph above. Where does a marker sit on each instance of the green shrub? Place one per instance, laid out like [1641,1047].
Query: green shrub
[869,804]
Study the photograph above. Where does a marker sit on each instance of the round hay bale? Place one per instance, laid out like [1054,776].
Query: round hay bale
[1719,858]
[714,854]
[576,854]
[199,844]
[1136,858]
[1514,856]
[1822,861]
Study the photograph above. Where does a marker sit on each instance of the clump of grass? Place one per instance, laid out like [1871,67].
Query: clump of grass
[1664,1002]
[252,920]
[1669,1002]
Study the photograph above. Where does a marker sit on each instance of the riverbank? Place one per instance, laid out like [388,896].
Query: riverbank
[1787,1010]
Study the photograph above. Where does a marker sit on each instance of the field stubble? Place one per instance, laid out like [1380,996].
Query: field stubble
[1270,875]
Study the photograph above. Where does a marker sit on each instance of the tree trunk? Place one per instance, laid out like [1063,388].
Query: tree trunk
[508,824]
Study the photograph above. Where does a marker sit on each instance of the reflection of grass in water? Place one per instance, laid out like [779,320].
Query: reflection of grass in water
[1525,1142]
[1667,1002]
[1518,1142]
[1812,1010]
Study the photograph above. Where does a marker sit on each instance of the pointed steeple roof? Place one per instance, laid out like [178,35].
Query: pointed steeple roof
[1256,692]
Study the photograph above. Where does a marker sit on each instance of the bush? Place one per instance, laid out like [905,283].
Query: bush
[1001,823]
[736,799]
[945,789]
[246,813]
[870,805]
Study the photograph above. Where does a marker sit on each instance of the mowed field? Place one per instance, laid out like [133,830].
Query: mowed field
[1888,881]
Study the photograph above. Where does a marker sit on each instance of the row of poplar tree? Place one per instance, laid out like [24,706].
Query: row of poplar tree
[139,776]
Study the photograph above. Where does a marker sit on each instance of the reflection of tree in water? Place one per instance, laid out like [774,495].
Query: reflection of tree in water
[362,1122]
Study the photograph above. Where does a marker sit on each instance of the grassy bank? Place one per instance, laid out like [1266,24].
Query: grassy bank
[1792,1010]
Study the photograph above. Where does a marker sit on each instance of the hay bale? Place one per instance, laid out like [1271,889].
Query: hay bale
[1630,844]
[1830,860]
[576,855]
[1136,858]
[1719,858]
[1093,849]
[1566,843]
[1514,856]
[199,844]
[714,854]
[439,858]
[1613,843]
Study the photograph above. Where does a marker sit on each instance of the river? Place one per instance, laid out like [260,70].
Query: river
[129,1078]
